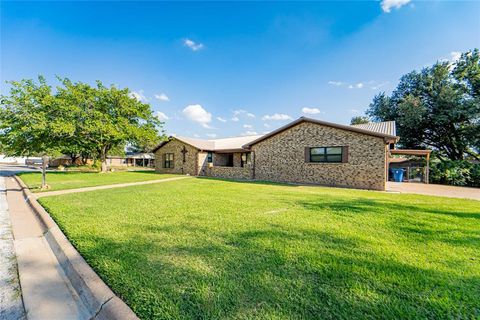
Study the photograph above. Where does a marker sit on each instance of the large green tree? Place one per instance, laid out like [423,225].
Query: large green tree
[438,107]
[107,118]
[359,120]
[76,119]
[32,121]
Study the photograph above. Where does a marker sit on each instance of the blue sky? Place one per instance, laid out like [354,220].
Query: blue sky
[222,69]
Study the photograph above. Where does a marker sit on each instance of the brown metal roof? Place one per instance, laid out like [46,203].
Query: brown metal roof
[386,136]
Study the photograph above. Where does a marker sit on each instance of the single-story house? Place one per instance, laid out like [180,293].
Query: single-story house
[131,159]
[306,151]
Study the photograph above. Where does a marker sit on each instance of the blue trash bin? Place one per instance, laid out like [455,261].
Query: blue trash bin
[397,175]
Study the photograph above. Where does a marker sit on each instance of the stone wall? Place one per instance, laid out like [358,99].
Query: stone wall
[174,146]
[202,163]
[241,173]
[282,158]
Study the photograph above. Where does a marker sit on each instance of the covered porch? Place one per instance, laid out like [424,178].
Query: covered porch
[414,163]
[229,164]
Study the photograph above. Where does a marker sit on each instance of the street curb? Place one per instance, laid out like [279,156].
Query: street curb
[100,300]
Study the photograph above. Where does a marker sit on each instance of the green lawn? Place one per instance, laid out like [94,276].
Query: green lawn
[72,180]
[211,249]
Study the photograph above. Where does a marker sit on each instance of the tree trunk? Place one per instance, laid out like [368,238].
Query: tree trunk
[103,158]
[74,158]
[84,158]
[44,171]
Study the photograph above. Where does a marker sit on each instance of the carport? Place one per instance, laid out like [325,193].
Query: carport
[415,170]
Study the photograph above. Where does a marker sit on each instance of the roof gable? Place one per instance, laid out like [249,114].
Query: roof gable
[384,130]
[384,135]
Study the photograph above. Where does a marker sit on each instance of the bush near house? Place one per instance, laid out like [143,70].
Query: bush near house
[455,172]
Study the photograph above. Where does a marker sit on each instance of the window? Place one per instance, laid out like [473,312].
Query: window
[210,157]
[245,159]
[168,160]
[326,154]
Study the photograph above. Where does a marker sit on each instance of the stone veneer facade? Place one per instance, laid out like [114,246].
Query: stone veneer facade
[282,157]
[240,173]
[190,166]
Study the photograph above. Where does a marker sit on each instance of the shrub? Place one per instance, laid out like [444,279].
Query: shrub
[455,172]
[97,165]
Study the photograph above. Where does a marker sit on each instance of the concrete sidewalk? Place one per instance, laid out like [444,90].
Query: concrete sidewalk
[109,186]
[47,292]
[11,304]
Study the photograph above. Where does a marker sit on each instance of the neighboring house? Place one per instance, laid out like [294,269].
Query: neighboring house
[303,151]
[131,160]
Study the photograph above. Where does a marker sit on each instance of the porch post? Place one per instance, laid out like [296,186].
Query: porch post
[427,171]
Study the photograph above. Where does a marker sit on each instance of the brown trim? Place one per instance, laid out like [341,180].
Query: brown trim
[230,150]
[307,154]
[325,123]
[411,152]
[345,154]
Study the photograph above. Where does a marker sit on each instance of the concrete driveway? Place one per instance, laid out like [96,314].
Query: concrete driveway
[11,169]
[434,190]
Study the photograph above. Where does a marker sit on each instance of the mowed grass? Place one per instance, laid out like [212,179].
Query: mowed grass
[211,249]
[73,180]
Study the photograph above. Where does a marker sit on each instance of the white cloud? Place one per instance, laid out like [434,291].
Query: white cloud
[387,5]
[455,55]
[359,85]
[162,97]
[196,135]
[221,119]
[194,46]
[310,110]
[249,133]
[241,112]
[354,111]
[161,116]
[277,117]
[211,135]
[372,84]
[336,83]
[138,95]
[247,126]
[235,119]
[196,113]
[266,125]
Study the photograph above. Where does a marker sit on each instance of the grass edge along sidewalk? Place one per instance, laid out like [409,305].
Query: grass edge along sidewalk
[94,293]
[76,180]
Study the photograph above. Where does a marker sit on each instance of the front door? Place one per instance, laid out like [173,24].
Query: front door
[230,160]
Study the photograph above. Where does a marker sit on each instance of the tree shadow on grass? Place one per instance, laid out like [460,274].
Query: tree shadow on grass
[427,224]
[362,205]
[256,182]
[272,272]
